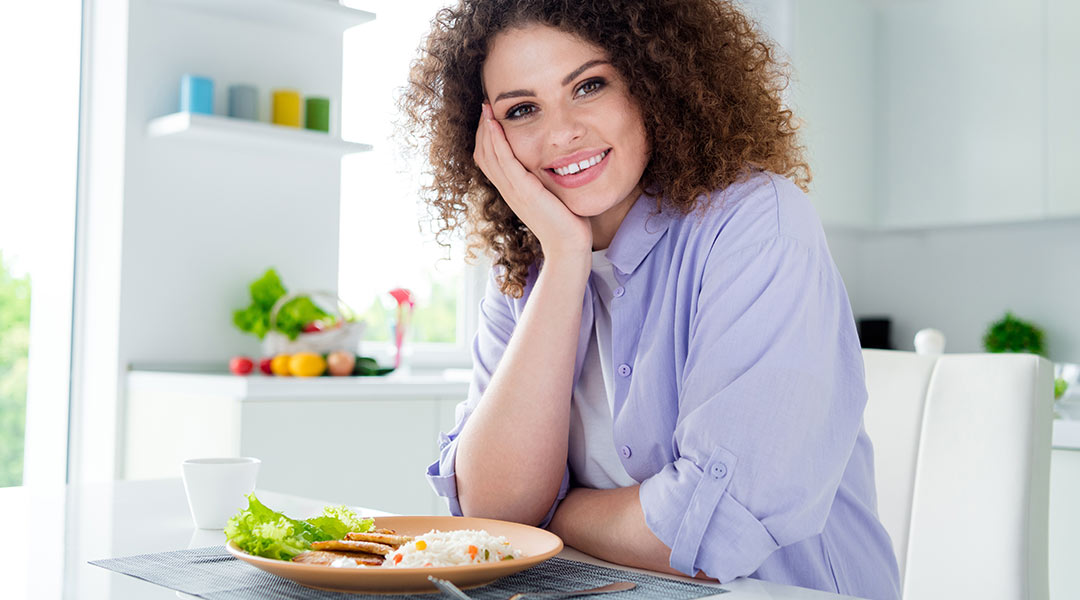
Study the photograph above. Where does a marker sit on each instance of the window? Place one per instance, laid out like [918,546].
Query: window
[38,163]
[386,241]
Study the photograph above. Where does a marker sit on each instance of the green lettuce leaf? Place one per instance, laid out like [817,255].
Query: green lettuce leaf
[296,313]
[261,531]
[339,520]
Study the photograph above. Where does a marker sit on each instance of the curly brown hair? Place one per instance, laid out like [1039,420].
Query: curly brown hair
[707,82]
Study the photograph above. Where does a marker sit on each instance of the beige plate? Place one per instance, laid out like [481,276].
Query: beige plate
[536,545]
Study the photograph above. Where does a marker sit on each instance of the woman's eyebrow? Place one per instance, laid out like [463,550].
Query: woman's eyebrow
[566,81]
[578,71]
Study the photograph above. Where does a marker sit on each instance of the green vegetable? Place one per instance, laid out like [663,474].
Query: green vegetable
[291,317]
[264,532]
[368,366]
[1060,385]
[261,531]
[339,520]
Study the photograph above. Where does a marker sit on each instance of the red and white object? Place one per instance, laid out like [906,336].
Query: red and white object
[405,305]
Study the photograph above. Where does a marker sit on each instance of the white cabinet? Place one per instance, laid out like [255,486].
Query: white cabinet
[1064,524]
[1062,97]
[832,50]
[930,114]
[961,112]
[357,441]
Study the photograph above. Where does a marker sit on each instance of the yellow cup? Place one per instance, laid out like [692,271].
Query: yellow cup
[286,108]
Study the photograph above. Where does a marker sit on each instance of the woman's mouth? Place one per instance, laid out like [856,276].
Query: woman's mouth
[582,172]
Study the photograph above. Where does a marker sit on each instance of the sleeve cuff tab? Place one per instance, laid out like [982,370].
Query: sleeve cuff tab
[715,476]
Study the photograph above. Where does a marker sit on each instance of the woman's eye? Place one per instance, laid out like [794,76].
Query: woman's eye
[590,86]
[519,111]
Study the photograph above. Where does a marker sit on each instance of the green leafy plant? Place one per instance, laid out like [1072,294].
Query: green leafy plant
[292,317]
[1010,334]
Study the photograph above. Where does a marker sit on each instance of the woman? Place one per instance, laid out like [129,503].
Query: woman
[666,372]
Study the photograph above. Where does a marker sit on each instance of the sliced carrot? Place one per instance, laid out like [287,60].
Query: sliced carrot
[472,551]
[397,559]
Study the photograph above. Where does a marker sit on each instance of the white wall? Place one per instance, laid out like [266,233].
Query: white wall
[959,280]
[173,230]
[202,220]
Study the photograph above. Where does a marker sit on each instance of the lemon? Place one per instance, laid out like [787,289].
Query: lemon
[279,365]
[307,364]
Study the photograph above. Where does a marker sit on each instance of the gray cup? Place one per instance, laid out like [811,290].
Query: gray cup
[243,102]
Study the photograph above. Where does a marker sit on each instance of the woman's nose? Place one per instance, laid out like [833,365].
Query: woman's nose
[566,127]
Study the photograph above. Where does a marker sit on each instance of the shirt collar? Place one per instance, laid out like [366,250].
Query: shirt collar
[638,233]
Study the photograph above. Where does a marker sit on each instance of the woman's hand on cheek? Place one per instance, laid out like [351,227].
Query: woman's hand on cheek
[559,230]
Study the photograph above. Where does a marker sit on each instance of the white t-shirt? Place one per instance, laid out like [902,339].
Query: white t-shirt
[593,458]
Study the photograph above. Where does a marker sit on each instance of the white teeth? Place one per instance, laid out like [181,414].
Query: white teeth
[581,166]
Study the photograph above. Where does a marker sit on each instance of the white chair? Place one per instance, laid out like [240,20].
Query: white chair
[962,464]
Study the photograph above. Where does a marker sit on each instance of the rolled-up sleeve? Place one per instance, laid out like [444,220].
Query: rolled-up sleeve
[496,325]
[770,404]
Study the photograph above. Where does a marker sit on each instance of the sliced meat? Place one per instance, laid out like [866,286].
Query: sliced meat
[352,546]
[379,538]
[322,557]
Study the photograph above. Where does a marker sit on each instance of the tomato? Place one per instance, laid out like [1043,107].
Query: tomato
[264,365]
[241,365]
[314,326]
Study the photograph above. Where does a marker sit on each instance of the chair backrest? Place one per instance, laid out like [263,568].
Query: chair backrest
[962,464]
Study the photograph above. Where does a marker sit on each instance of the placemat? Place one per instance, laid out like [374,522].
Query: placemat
[213,574]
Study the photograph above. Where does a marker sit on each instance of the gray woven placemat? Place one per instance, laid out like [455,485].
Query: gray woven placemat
[213,574]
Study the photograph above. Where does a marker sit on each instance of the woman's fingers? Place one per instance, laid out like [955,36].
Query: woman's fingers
[501,148]
[484,154]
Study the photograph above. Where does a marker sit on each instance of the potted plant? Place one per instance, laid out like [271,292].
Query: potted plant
[1010,334]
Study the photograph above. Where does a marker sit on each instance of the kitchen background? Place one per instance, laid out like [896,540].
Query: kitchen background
[941,134]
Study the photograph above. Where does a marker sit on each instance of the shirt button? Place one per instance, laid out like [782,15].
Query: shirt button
[624,370]
[619,291]
[719,470]
[625,451]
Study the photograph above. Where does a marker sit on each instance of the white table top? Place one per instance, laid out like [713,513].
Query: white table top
[66,527]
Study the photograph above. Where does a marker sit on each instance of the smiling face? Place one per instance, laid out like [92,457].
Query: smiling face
[569,119]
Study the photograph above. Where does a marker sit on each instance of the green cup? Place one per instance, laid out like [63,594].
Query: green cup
[317,113]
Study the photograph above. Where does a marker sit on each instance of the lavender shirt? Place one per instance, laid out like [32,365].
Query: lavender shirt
[739,392]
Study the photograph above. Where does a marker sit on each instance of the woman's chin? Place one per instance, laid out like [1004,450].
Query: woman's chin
[585,208]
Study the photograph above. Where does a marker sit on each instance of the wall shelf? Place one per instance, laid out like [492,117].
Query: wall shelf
[318,15]
[256,134]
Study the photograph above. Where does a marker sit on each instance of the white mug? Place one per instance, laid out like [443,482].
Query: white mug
[216,488]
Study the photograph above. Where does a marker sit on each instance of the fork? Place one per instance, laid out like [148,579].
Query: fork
[452,590]
[448,588]
[618,586]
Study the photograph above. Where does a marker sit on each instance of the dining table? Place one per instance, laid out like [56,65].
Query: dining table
[53,532]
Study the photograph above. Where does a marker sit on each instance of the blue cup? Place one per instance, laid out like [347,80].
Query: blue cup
[196,94]
[244,102]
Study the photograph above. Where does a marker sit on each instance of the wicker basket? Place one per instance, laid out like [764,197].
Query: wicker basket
[346,337]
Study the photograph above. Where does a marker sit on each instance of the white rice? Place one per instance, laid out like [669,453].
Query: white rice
[451,549]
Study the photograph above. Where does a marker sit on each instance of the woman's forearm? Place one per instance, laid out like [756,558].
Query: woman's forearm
[610,525]
[512,452]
